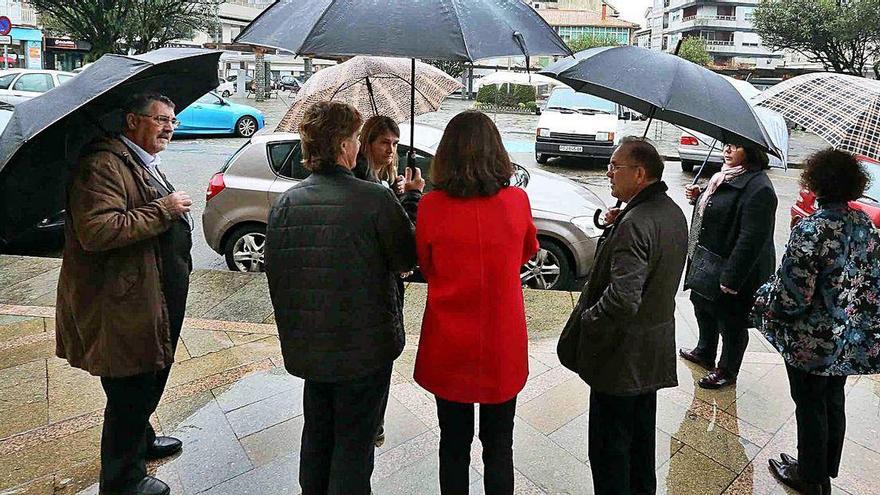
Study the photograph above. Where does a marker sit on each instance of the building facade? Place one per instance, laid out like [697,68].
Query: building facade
[26,47]
[574,24]
[725,25]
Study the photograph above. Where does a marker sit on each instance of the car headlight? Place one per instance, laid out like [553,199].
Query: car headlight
[586,225]
[543,132]
[604,136]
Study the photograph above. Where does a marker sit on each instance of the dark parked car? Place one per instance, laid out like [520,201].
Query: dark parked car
[290,83]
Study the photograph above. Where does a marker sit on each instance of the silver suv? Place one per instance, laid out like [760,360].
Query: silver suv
[240,194]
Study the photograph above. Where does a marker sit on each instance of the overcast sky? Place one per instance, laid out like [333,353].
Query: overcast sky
[633,10]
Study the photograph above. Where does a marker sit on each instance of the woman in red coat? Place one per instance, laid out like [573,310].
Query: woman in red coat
[473,234]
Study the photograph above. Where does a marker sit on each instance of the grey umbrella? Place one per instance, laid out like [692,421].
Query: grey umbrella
[665,87]
[465,30]
[45,134]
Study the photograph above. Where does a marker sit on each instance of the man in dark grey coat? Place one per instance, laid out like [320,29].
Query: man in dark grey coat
[620,338]
[335,246]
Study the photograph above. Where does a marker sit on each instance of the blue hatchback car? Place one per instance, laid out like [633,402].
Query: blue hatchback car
[212,114]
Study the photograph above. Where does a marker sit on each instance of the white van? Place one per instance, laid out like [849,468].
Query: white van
[579,125]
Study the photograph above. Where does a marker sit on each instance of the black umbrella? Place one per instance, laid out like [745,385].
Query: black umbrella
[45,134]
[465,30]
[665,87]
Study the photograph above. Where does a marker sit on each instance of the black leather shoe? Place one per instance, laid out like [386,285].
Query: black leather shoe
[163,447]
[788,475]
[146,486]
[690,355]
[716,378]
[787,459]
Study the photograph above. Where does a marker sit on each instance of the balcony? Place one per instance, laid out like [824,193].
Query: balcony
[20,15]
[714,22]
[730,48]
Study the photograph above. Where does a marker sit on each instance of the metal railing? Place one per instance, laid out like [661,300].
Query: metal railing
[708,18]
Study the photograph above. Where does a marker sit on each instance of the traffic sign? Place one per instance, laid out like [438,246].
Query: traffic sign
[5,40]
[5,25]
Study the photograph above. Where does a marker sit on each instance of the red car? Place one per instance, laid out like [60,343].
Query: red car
[869,203]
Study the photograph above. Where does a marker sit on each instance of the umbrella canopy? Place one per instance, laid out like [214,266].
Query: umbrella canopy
[665,87]
[465,30]
[375,86]
[841,109]
[45,134]
[510,77]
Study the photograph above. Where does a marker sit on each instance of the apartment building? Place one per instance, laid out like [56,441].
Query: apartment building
[726,25]
[25,49]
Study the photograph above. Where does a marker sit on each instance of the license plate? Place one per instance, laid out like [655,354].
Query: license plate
[571,149]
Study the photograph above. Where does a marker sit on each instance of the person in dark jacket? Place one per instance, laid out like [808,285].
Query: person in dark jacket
[820,311]
[620,338]
[377,162]
[335,246]
[733,219]
[123,286]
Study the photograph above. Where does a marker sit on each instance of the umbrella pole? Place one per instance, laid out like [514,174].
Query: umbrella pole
[372,98]
[411,156]
[650,120]
[705,161]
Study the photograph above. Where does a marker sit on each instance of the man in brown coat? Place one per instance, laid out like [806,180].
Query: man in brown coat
[123,286]
[620,338]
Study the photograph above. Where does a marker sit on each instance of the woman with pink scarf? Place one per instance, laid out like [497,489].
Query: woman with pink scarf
[730,255]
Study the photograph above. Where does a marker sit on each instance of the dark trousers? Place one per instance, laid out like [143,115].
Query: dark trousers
[456,435]
[127,430]
[821,423]
[726,319]
[341,419]
[621,443]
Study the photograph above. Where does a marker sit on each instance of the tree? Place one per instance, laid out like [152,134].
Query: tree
[114,26]
[452,67]
[842,35]
[592,41]
[694,50]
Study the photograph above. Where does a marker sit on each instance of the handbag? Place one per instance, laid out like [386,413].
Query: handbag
[704,275]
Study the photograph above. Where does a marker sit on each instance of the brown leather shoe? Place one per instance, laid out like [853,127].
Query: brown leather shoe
[716,379]
[788,475]
[690,355]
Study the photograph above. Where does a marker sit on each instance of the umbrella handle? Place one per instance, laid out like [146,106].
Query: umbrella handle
[596,217]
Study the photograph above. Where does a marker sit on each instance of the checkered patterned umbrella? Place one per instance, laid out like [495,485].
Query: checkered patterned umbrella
[375,86]
[841,109]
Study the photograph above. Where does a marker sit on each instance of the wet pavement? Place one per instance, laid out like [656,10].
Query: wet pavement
[240,414]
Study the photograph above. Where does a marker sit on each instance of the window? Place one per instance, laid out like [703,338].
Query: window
[37,83]
[5,81]
[63,78]
[286,160]
[209,99]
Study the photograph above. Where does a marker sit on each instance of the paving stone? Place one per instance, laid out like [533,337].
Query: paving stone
[211,287]
[226,359]
[260,415]
[31,463]
[255,387]
[274,442]
[250,303]
[556,407]
[400,425]
[392,461]
[28,290]
[17,269]
[689,472]
[211,453]
[72,391]
[23,403]
[201,342]
[279,477]
[863,415]
[420,477]
[172,414]
[548,465]
[12,327]
[37,350]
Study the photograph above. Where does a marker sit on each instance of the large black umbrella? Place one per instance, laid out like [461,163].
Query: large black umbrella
[45,134]
[665,87]
[465,30]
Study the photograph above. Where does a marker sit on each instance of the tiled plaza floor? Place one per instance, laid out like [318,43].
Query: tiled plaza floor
[240,414]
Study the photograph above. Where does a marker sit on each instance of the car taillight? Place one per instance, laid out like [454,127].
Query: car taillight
[689,141]
[215,186]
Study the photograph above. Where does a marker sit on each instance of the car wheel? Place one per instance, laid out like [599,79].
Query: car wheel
[688,165]
[246,126]
[226,93]
[549,269]
[541,158]
[245,249]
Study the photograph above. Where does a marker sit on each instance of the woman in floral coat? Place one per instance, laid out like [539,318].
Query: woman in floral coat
[821,310]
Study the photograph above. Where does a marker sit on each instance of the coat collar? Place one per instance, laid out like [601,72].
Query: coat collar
[740,181]
[647,193]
